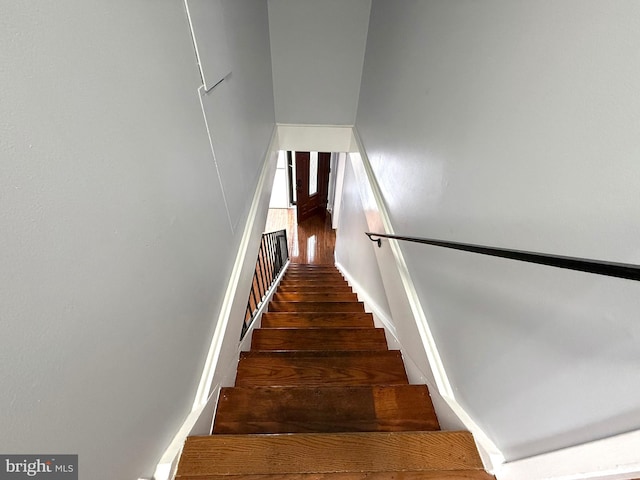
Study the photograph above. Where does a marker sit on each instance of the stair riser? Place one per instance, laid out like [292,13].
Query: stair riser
[315,289]
[313,307]
[335,409]
[313,276]
[312,268]
[315,320]
[312,272]
[314,297]
[311,282]
[322,368]
[320,339]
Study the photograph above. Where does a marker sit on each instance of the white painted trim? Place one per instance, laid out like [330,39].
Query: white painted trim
[319,138]
[201,93]
[166,465]
[220,40]
[195,43]
[491,455]
[315,125]
[613,458]
[337,200]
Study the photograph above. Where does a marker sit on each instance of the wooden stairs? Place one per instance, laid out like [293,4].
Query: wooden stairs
[320,396]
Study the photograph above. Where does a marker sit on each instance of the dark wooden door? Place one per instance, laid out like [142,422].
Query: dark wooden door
[312,184]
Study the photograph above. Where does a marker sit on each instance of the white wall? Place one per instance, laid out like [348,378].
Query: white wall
[280,190]
[354,252]
[317,49]
[341,164]
[333,170]
[514,123]
[115,250]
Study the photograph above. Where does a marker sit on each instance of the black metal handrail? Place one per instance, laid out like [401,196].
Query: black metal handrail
[600,267]
[272,257]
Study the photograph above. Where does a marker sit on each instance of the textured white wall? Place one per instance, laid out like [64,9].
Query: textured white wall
[114,247]
[514,123]
[317,49]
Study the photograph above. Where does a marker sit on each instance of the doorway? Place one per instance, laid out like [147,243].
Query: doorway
[312,184]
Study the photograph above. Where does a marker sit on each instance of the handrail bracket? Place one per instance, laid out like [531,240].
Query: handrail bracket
[376,240]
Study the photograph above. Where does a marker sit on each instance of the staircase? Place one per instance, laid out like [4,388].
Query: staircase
[320,396]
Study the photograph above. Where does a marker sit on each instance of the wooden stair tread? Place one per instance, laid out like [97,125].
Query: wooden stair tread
[243,410]
[317,278]
[315,297]
[276,306]
[312,268]
[328,453]
[404,475]
[326,272]
[258,368]
[312,265]
[312,283]
[306,274]
[302,277]
[316,320]
[316,289]
[313,271]
[319,339]
[297,267]
[294,265]
[310,273]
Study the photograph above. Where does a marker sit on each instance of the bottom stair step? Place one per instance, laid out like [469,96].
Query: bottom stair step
[382,408]
[424,475]
[322,453]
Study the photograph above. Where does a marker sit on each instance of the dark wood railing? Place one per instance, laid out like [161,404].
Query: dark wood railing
[600,267]
[272,257]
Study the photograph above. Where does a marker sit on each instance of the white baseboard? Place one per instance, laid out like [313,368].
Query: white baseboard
[613,458]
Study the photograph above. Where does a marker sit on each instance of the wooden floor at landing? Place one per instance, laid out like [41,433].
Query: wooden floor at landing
[311,241]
